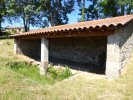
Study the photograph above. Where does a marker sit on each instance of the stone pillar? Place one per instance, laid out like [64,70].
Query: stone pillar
[113,57]
[44,55]
[15,46]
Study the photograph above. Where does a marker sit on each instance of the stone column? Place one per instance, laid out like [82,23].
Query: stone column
[44,55]
[113,57]
[15,46]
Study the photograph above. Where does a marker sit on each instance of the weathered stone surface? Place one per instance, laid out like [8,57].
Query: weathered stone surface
[42,70]
[30,48]
[44,50]
[113,57]
[15,46]
[44,56]
[126,44]
[119,50]
[78,49]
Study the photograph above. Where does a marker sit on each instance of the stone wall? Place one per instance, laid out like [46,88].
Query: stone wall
[86,50]
[119,49]
[30,48]
[126,44]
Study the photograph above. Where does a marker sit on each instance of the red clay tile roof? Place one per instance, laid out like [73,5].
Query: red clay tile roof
[108,22]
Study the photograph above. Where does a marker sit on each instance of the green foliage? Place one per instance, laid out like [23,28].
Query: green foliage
[112,8]
[17,65]
[96,9]
[93,10]
[60,73]
[56,11]
[40,13]
[81,4]
[2,12]
[3,37]
[90,11]
[27,10]
[32,71]
[13,32]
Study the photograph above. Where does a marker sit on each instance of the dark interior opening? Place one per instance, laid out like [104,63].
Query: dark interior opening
[79,53]
[30,48]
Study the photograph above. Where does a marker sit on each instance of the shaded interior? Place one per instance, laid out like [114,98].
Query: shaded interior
[80,53]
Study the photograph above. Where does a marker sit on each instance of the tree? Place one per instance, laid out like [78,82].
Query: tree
[27,10]
[113,8]
[96,9]
[126,6]
[2,12]
[55,11]
[81,4]
[91,11]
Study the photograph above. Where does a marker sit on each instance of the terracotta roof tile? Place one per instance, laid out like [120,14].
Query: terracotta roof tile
[115,21]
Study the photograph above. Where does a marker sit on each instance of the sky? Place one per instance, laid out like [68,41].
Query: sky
[73,17]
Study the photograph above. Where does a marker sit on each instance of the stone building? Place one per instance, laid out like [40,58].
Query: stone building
[14,30]
[105,44]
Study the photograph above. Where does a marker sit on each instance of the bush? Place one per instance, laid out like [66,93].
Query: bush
[17,65]
[3,37]
[29,70]
[32,71]
[60,73]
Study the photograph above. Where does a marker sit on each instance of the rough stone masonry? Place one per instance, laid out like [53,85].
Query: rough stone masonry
[119,50]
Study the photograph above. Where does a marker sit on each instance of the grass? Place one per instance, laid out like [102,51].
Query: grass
[52,76]
[3,37]
[29,71]
[16,86]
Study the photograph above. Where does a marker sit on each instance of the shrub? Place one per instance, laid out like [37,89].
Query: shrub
[3,37]
[59,73]
[32,71]
[17,65]
[28,70]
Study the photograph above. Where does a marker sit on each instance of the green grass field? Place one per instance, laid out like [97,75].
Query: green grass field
[16,86]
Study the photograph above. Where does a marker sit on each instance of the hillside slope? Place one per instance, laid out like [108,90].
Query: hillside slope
[15,86]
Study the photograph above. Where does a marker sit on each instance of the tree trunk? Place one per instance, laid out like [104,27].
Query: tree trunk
[0,23]
[83,11]
[129,10]
[25,28]
[25,25]
[122,10]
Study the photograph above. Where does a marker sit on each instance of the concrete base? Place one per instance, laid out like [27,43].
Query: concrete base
[112,70]
[43,68]
[113,57]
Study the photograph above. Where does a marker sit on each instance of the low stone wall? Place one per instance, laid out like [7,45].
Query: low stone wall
[30,48]
[86,50]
